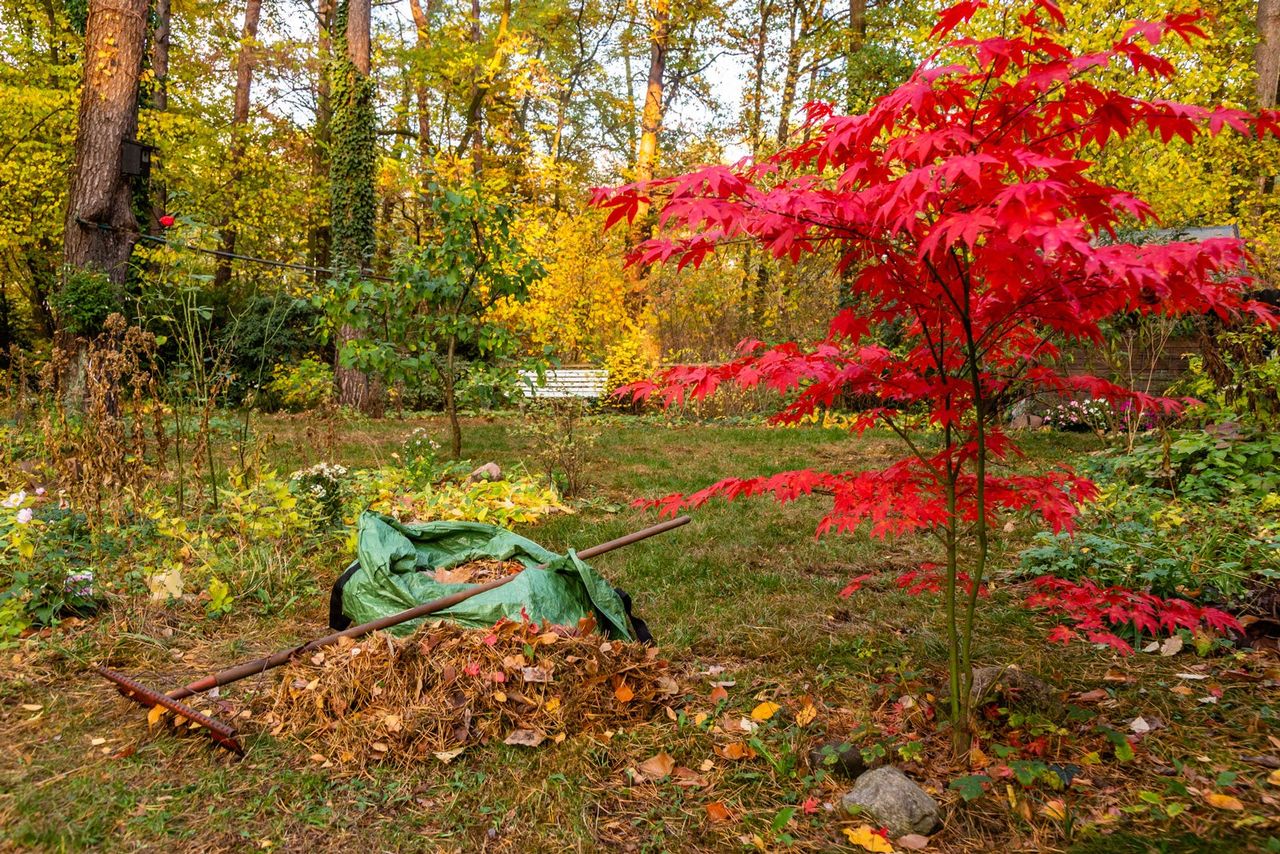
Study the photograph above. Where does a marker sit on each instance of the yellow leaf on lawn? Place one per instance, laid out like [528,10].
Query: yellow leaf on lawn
[1223,802]
[805,716]
[764,711]
[718,694]
[157,712]
[623,692]
[866,837]
[1274,777]
[552,704]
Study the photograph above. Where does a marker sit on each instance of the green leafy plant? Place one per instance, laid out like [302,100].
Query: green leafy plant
[436,314]
[303,386]
[85,301]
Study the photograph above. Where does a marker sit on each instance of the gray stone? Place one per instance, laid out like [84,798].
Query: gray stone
[838,756]
[488,471]
[1016,689]
[895,801]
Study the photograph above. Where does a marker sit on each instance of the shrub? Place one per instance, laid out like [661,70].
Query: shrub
[304,386]
[562,440]
[84,302]
[324,487]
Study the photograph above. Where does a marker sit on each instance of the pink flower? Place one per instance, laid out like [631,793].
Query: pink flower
[167,220]
[24,515]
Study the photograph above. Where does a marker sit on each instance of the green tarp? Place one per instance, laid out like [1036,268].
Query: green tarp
[397,572]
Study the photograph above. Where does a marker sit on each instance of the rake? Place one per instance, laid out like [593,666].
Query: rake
[225,735]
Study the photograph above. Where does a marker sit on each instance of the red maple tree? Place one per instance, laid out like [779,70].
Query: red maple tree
[961,205]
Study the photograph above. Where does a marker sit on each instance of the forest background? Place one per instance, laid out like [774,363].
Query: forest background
[518,109]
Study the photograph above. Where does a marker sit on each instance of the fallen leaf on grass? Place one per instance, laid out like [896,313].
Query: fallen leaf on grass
[764,711]
[1274,777]
[658,766]
[912,842]
[525,737]
[717,811]
[1115,674]
[447,756]
[623,692]
[688,778]
[866,837]
[157,712]
[1094,696]
[1223,802]
[32,707]
[736,750]
[805,716]
[1191,675]
[719,694]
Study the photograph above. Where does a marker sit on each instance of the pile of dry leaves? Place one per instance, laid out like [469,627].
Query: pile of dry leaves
[382,699]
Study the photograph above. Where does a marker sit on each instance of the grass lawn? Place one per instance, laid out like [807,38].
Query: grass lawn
[745,592]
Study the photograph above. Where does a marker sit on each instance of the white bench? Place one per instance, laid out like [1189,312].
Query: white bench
[565,382]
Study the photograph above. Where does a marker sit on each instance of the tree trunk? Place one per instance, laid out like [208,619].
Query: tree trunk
[160,99]
[422,92]
[320,237]
[353,203]
[1266,60]
[791,78]
[637,298]
[239,129]
[855,38]
[451,399]
[759,65]
[100,226]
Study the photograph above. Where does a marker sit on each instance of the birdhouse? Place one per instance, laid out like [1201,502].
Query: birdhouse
[135,159]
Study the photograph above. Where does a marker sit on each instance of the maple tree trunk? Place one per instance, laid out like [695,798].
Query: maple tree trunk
[239,128]
[636,299]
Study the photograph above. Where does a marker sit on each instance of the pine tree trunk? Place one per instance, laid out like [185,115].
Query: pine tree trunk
[100,226]
[239,128]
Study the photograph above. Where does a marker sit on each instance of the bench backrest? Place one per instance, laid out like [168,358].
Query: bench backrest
[566,382]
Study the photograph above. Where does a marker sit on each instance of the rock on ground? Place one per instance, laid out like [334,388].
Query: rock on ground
[838,756]
[895,801]
[488,471]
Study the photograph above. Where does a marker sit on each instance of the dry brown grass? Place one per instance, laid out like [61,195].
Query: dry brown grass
[380,699]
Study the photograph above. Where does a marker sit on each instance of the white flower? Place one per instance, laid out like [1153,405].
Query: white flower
[39,490]
[15,499]
[24,515]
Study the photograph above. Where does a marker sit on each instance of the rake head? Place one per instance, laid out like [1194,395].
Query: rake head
[223,734]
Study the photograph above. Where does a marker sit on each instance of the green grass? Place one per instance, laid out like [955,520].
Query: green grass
[745,587]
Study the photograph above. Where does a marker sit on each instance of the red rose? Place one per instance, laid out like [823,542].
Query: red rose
[167,220]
